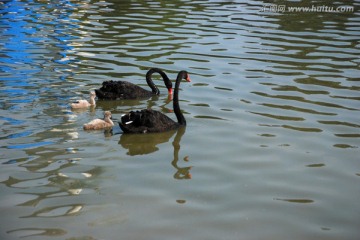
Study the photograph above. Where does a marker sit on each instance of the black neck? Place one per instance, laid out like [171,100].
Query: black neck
[152,85]
[180,117]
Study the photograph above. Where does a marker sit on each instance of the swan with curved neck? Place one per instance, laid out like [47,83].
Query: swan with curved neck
[113,90]
[154,89]
[84,103]
[97,124]
[147,120]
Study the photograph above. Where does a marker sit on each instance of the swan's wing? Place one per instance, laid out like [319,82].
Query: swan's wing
[121,90]
[96,122]
[146,121]
[81,102]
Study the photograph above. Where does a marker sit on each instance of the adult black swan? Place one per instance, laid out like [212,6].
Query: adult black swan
[147,120]
[112,90]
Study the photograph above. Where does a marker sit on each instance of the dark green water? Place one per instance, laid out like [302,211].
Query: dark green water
[271,149]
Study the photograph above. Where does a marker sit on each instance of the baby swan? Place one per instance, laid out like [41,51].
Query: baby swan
[97,124]
[84,103]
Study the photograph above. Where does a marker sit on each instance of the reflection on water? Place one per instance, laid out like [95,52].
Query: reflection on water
[272,113]
[37,232]
[139,144]
[182,172]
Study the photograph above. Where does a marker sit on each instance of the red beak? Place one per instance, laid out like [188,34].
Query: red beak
[188,78]
[170,91]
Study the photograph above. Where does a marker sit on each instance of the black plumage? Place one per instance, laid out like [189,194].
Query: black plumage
[112,90]
[148,121]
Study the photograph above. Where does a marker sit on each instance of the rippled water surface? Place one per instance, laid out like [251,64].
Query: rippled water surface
[270,151]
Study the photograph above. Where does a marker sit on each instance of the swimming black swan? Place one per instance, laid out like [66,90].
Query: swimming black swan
[112,90]
[147,120]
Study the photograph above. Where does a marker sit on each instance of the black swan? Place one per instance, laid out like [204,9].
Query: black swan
[147,120]
[112,90]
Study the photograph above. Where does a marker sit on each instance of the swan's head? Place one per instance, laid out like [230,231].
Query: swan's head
[107,114]
[187,77]
[184,75]
[92,94]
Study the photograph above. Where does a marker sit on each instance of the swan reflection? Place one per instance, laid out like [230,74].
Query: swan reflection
[182,172]
[141,144]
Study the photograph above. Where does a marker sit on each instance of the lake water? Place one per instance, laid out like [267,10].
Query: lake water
[271,147]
